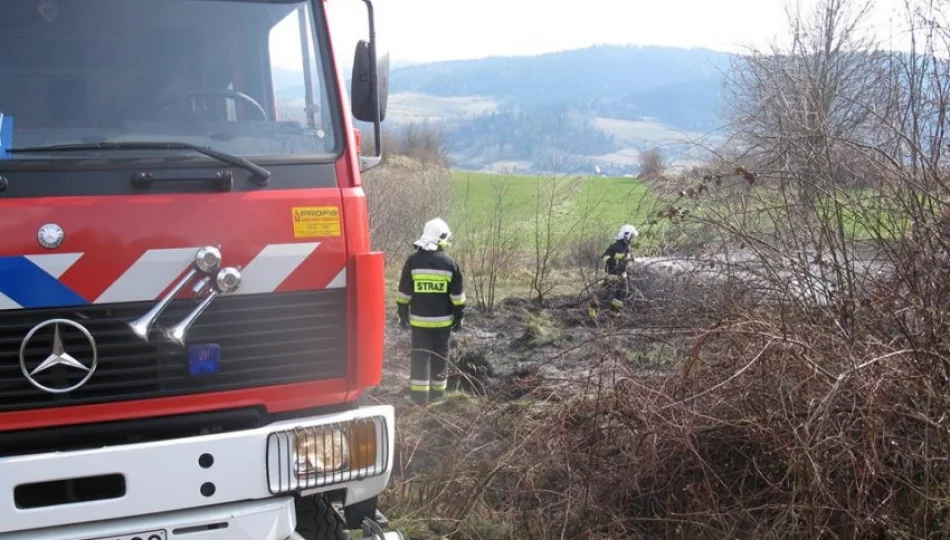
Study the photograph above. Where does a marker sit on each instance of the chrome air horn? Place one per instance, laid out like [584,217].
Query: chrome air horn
[207,261]
[227,281]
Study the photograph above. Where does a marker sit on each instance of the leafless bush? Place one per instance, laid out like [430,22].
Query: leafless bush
[767,448]
[818,407]
[553,226]
[584,253]
[402,195]
[409,188]
[423,141]
[652,163]
[490,242]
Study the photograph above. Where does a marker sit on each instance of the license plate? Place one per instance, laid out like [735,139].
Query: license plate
[148,535]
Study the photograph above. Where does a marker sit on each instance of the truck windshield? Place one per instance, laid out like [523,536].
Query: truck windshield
[243,77]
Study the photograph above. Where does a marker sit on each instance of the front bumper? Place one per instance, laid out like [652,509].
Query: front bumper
[257,520]
[272,519]
[165,477]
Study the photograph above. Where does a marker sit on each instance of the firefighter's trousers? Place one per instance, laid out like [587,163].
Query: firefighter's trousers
[621,293]
[427,371]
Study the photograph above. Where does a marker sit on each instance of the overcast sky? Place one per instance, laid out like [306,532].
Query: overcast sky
[432,30]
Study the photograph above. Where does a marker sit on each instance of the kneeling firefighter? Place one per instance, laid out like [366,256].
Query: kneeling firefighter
[431,301]
[616,257]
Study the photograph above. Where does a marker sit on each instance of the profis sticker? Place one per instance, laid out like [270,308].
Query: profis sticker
[316,221]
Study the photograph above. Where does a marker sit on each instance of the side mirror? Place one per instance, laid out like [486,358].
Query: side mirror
[370,87]
[363,105]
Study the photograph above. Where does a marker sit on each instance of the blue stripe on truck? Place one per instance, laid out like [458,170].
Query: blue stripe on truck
[32,287]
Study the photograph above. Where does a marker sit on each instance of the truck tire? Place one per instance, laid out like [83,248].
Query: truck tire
[318,520]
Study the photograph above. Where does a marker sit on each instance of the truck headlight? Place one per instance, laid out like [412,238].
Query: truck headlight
[313,456]
[319,451]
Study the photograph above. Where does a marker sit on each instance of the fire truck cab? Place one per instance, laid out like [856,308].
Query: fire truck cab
[190,310]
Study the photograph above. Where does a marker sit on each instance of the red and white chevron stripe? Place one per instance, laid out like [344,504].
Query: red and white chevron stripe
[156,270]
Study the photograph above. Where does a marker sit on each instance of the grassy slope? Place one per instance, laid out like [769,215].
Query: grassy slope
[593,205]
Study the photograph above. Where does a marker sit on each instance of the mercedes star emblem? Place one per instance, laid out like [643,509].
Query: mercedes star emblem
[59,356]
[50,236]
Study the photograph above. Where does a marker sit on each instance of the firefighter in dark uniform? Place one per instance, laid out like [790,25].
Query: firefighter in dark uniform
[616,258]
[430,301]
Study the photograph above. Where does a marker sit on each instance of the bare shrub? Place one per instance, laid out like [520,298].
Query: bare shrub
[652,163]
[423,141]
[391,144]
[409,188]
[489,242]
[584,254]
[402,195]
[763,449]
[553,226]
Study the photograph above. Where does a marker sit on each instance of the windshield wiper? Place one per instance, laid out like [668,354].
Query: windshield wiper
[261,174]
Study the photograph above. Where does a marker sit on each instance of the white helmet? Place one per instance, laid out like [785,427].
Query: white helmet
[435,233]
[628,233]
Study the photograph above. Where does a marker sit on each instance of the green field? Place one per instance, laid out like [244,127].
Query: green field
[576,204]
[595,207]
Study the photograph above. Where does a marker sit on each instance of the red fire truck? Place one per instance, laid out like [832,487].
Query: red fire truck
[190,311]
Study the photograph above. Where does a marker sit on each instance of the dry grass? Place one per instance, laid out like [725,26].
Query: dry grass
[764,431]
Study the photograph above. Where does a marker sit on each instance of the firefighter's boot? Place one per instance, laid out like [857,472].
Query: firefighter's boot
[616,308]
[437,390]
[419,392]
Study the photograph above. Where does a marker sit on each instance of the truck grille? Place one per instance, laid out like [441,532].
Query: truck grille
[264,339]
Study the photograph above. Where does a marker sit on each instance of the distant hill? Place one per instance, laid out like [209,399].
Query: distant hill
[580,76]
[597,106]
